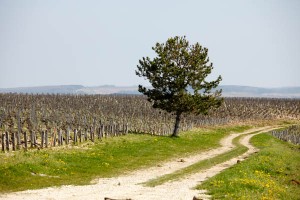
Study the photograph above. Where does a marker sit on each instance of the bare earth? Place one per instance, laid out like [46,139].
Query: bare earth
[129,186]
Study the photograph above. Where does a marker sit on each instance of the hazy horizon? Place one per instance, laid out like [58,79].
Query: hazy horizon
[129,86]
[93,43]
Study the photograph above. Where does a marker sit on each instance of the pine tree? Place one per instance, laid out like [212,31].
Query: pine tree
[177,75]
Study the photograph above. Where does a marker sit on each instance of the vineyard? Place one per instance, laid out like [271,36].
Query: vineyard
[40,121]
[291,134]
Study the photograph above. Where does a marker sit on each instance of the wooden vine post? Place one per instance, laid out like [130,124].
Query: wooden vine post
[67,136]
[42,139]
[13,141]
[25,140]
[19,140]
[3,141]
[7,140]
[31,139]
[46,138]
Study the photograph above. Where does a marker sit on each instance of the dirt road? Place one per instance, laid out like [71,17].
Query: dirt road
[130,187]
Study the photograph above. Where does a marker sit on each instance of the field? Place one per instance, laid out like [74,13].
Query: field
[71,140]
[51,120]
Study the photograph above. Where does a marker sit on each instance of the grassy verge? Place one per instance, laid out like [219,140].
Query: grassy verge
[110,157]
[273,173]
[201,165]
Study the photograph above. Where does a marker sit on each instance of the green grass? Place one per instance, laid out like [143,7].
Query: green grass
[268,174]
[107,158]
[201,165]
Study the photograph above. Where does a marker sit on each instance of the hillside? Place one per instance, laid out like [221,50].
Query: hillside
[228,90]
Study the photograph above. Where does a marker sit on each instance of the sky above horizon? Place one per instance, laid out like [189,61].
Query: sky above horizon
[91,43]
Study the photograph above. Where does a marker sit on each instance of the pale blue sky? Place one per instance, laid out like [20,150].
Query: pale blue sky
[51,42]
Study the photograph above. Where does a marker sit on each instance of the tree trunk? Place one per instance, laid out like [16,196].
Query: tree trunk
[176,127]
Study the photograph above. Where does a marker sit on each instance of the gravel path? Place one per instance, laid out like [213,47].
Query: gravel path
[129,187]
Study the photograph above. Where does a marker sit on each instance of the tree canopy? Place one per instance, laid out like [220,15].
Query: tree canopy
[178,76]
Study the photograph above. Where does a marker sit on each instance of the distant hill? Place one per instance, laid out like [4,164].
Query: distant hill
[228,90]
[59,89]
[247,91]
[109,89]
